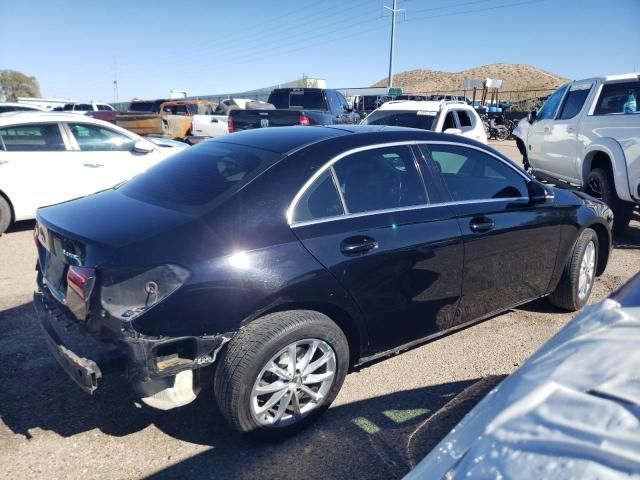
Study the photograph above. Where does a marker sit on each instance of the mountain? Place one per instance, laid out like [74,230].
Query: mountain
[514,77]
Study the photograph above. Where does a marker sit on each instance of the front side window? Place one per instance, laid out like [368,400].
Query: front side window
[470,174]
[549,108]
[574,101]
[379,179]
[463,116]
[617,98]
[37,137]
[96,138]
[320,200]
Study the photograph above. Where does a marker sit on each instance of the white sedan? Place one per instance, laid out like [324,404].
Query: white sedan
[47,158]
[451,117]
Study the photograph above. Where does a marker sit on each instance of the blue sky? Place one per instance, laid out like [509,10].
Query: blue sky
[222,46]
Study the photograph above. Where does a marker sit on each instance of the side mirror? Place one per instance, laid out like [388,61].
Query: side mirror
[538,193]
[453,131]
[532,116]
[143,146]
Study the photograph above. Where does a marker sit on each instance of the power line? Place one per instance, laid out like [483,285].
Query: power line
[496,7]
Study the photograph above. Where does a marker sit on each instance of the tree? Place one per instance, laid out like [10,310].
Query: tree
[16,84]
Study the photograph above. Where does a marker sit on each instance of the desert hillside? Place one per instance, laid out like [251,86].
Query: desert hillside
[514,76]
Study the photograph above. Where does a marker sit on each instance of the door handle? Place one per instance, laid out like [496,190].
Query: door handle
[547,129]
[93,165]
[570,130]
[481,224]
[214,120]
[2,162]
[357,245]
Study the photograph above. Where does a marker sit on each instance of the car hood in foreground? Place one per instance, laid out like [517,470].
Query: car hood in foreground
[571,411]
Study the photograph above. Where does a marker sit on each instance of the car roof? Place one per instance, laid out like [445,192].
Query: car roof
[286,140]
[419,105]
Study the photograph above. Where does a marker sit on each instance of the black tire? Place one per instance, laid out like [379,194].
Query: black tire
[253,347]
[5,215]
[523,151]
[600,185]
[566,295]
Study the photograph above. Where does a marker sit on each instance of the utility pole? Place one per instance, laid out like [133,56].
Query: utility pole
[393,11]
[115,81]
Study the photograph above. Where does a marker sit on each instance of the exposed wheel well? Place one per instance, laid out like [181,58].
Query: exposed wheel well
[603,246]
[339,316]
[596,160]
[13,213]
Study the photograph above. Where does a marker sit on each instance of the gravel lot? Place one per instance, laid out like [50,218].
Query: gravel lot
[385,419]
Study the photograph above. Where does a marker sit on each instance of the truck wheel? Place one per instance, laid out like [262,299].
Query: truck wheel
[600,185]
[574,288]
[5,215]
[281,372]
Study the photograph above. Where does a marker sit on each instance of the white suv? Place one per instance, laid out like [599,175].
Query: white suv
[47,158]
[452,117]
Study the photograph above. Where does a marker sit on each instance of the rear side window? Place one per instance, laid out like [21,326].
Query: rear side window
[96,138]
[201,177]
[379,179]
[320,200]
[83,107]
[449,122]
[103,107]
[574,100]
[32,138]
[622,97]
[470,174]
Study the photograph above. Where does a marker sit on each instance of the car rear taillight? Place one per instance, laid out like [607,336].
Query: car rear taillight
[80,280]
[304,120]
[230,124]
[36,239]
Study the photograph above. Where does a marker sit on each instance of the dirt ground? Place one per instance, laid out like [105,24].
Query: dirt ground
[385,419]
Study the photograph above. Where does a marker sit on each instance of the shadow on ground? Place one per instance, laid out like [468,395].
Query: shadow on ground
[368,438]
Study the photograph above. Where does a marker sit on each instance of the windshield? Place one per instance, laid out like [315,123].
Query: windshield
[298,99]
[399,118]
[201,177]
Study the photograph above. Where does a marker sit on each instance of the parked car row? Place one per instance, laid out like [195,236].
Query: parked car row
[46,158]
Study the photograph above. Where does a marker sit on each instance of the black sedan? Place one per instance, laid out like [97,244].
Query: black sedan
[286,257]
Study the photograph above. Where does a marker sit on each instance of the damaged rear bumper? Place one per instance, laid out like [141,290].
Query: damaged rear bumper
[159,369]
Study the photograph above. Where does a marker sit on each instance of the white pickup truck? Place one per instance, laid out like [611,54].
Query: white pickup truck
[587,134]
[210,126]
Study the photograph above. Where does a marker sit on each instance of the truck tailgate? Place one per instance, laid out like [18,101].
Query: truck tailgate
[141,123]
[248,119]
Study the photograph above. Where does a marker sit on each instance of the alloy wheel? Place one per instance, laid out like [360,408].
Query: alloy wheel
[293,382]
[587,270]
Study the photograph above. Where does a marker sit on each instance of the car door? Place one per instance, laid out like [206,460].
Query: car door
[36,167]
[107,155]
[510,244]
[540,132]
[560,149]
[367,218]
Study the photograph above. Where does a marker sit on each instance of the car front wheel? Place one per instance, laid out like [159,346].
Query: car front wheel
[280,372]
[5,215]
[578,276]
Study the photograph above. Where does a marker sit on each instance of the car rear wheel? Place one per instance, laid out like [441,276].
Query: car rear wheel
[281,372]
[600,185]
[579,273]
[5,215]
